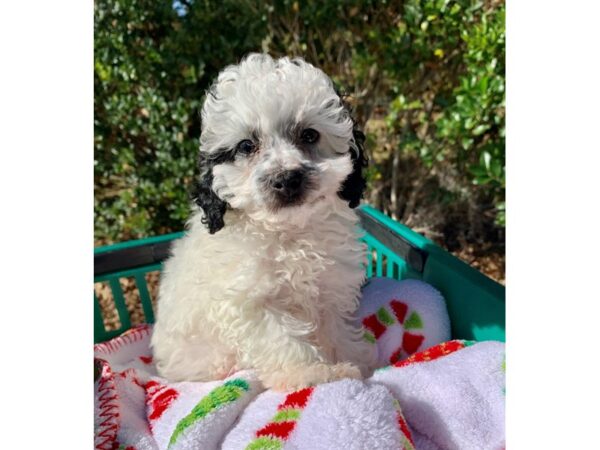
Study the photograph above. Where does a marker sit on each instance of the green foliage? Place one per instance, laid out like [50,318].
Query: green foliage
[456,114]
[426,76]
[151,69]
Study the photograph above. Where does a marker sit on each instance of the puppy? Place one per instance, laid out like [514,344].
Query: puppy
[268,275]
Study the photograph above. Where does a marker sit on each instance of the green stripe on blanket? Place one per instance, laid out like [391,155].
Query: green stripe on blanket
[265,443]
[229,392]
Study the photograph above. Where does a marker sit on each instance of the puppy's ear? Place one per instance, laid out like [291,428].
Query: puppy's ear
[203,195]
[354,186]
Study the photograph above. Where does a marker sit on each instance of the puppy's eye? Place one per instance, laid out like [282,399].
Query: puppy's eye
[246,147]
[309,136]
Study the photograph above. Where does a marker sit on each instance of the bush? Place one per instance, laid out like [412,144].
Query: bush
[152,65]
[425,76]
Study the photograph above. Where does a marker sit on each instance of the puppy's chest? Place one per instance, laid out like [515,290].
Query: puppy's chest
[303,261]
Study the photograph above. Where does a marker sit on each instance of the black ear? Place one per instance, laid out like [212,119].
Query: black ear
[203,195]
[354,186]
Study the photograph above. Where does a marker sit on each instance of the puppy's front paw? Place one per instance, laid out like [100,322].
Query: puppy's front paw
[300,377]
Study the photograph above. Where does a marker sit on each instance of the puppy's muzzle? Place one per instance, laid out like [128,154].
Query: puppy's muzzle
[289,186]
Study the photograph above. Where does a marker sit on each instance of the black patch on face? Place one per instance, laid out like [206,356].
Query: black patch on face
[220,156]
[294,133]
[354,185]
[212,90]
[202,192]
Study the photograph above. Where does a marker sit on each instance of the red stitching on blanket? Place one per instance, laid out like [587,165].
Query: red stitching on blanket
[109,409]
[128,337]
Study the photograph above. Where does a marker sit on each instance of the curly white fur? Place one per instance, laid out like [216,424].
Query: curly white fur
[277,287]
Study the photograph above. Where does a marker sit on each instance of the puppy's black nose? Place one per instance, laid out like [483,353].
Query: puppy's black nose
[289,183]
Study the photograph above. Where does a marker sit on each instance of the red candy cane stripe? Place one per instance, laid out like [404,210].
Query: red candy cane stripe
[297,399]
[378,322]
[158,398]
[283,423]
[411,342]
[374,325]
[396,356]
[433,353]
[400,309]
[279,430]
[404,428]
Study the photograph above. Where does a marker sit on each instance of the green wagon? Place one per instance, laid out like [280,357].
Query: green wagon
[475,302]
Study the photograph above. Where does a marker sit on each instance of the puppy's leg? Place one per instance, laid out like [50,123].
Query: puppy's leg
[284,356]
[349,345]
[200,358]
[298,377]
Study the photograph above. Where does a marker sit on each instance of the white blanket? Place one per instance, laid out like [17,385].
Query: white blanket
[450,396]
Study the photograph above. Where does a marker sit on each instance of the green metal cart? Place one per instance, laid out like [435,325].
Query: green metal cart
[475,302]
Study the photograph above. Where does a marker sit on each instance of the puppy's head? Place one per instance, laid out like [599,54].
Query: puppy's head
[276,141]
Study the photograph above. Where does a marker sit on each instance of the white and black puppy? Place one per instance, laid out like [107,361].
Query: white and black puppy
[268,275]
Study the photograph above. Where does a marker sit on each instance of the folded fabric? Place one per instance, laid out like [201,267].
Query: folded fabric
[199,415]
[453,399]
[137,410]
[125,366]
[346,414]
[447,397]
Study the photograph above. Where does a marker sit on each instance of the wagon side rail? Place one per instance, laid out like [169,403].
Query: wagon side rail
[475,302]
